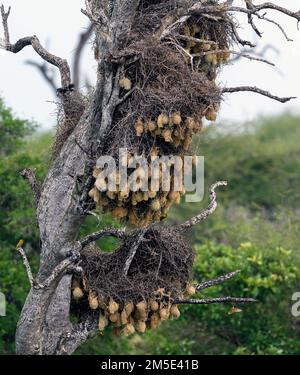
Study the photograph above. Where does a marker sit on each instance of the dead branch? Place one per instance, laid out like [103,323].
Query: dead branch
[66,265]
[27,265]
[254,9]
[60,269]
[238,39]
[230,90]
[210,209]
[216,281]
[113,232]
[33,41]
[240,54]
[206,301]
[261,53]
[29,175]
[83,39]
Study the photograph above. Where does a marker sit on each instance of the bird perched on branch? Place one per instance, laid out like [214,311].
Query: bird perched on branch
[20,244]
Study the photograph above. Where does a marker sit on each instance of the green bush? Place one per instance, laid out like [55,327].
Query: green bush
[267,274]
[261,164]
[12,130]
[15,286]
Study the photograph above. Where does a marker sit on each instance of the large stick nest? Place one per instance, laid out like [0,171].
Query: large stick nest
[163,259]
[139,294]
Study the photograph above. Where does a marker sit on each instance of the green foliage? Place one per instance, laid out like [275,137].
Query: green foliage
[270,276]
[12,130]
[261,164]
[15,286]
[17,218]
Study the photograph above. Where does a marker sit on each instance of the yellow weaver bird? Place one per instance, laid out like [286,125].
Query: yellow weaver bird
[20,244]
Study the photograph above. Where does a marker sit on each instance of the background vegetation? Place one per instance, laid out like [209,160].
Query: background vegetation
[255,229]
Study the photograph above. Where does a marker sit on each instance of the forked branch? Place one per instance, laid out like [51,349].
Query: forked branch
[33,41]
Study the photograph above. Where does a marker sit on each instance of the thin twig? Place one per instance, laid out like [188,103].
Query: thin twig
[118,233]
[27,265]
[230,90]
[126,96]
[241,54]
[83,38]
[206,301]
[216,281]
[60,269]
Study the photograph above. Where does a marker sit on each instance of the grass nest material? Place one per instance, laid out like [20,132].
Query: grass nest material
[159,273]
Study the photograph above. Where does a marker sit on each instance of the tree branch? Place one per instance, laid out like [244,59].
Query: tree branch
[83,39]
[265,6]
[216,281]
[113,232]
[60,269]
[33,41]
[206,301]
[240,54]
[258,91]
[26,264]
[79,333]
[210,209]
[29,175]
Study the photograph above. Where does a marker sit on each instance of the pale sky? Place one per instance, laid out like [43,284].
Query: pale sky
[60,22]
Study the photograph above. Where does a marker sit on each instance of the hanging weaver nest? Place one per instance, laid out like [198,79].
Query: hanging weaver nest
[138,294]
[171,94]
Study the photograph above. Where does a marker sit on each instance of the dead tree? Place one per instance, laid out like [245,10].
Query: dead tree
[156,68]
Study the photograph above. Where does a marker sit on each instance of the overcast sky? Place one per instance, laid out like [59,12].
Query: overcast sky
[59,22]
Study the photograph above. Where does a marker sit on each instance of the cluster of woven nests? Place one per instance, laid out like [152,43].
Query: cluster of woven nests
[163,114]
[159,274]
[151,200]
[172,97]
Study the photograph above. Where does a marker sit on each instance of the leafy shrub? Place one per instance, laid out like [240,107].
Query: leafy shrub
[12,130]
[268,275]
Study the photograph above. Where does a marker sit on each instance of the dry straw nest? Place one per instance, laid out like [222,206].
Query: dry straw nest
[171,96]
[159,274]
